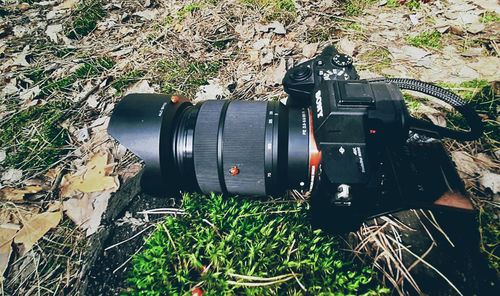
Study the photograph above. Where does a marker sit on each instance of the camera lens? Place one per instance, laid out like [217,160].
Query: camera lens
[231,147]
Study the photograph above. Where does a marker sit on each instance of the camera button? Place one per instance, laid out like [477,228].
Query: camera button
[319,63]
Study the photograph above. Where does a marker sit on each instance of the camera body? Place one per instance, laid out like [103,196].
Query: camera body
[353,121]
[361,129]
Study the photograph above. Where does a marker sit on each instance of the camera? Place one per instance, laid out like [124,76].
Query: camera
[342,139]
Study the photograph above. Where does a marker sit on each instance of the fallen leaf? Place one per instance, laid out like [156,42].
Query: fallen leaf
[12,194]
[140,87]
[267,57]
[261,43]
[246,32]
[36,227]
[346,46]
[20,60]
[490,180]
[277,27]
[87,211]
[465,163]
[29,93]
[12,175]
[94,177]
[214,90]
[79,209]
[309,50]
[6,236]
[3,155]
[147,14]
[67,4]
[487,67]
[274,76]
[52,31]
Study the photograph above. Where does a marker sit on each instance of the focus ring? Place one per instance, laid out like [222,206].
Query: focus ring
[205,146]
[244,147]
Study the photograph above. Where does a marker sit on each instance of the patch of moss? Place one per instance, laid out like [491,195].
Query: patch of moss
[89,69]
[3,11]
[321,34]
[489,17]
[86,17]
[356,7]
[375,60]
[225,246]
[190,9]
[426,40]
[34,137]
[354,26]
[489,230]
[124,81]
[185,77]
[283,11]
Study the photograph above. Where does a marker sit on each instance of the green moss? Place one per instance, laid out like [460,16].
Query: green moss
[354,26]
[321,34]
[221,238]
[489,17]
[426,40]
[274,10]
[124,81]
[86,17]
[92,68]
[190,9]
[356,7]
[413,4]
[185,77]
[489,230]
[34,137]
[375,60]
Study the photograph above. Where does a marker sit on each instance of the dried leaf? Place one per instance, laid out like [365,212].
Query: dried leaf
[11,194]
[67,4]
[6,236]
[87,211]
[79,209]
[309,50]
[490,180]
[140,87]
[52,31]
[94,177]
[465,163]
[12,175]
[36,227]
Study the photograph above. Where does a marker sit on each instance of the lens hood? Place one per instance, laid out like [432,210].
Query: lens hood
[144,123]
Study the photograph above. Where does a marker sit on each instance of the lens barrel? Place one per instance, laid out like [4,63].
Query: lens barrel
[232,147]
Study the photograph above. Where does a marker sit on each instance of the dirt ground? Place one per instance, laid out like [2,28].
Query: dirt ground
[65,64]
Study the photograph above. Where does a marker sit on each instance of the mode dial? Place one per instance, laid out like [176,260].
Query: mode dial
[342,60]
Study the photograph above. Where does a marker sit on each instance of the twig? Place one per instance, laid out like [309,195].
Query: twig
[128,239]
[270,212]
[298,282]
[429,265]
[127,261]
[333,16]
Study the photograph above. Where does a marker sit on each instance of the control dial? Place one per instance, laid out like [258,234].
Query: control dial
[301,73]
[342,60]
